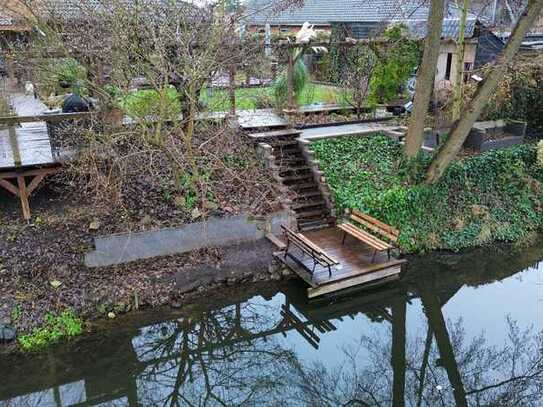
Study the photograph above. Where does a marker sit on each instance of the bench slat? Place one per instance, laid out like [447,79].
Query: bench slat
[365,237]
[380,227]
[373,228]
[309,247]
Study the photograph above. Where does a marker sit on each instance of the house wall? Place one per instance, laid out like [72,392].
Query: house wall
[442,82]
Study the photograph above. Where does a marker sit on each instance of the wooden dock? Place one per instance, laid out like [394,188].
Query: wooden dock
[355,267]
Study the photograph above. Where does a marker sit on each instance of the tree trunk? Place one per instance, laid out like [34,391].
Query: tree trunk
[425,79]
[461,129]
[460,49]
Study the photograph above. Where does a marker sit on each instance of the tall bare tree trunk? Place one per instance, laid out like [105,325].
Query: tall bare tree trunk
[460,49]
[425,79]
[461,129]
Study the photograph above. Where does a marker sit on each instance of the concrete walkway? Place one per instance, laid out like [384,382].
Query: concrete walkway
[343,130]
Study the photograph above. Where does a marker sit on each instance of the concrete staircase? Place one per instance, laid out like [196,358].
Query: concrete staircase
[300,183]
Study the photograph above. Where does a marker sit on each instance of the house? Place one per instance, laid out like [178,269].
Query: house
[363,19]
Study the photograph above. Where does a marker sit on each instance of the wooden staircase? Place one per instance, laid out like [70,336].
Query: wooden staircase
[292,169]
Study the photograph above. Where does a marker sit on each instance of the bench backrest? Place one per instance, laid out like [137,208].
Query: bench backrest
[308,247]
[375,225]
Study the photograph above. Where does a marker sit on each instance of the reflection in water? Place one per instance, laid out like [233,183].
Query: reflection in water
[409,344]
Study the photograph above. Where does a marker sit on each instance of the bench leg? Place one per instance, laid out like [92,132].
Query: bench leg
[329,271]
[388,252]
[286,248]
[314,265]
[373,257]
[343,240]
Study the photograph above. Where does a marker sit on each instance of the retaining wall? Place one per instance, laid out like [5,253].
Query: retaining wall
[216,232]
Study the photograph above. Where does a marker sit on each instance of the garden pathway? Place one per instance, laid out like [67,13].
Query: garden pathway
[342,130]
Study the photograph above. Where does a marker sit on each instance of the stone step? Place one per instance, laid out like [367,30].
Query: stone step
[301,178]
[304,186]
[308,204]
[302,168]
[283,143]
[309,194]
[275,133]
[313,215]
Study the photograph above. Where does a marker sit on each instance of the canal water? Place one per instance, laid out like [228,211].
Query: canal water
[456,330]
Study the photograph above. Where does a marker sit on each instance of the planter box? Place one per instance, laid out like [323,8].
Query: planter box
[492,135]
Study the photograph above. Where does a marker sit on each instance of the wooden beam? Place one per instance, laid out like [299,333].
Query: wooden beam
[31,172]
[34,183]
[51,118]
[8,186]
[367,279]
[23,196]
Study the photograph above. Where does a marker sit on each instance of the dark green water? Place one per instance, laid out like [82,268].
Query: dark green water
[457,330]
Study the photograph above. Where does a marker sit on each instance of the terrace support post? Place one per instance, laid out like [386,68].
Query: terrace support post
[23,196]
[399,308]
[290,79]
[232,90]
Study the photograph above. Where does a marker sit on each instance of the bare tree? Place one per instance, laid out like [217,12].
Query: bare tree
[425,79]
[358,72]
[460,50]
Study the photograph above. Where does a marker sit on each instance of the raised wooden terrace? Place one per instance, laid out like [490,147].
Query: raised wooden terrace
[355,266]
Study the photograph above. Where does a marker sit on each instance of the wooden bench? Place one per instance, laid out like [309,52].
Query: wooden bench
[308,247]
[373,232]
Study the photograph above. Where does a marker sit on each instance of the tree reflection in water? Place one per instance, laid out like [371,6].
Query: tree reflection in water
[270,353]
[220,357]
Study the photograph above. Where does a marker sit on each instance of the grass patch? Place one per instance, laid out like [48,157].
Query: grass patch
[495,196]
[262,97]
[147,102]
[65,324]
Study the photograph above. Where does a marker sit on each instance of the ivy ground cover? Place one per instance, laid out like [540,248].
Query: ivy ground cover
[495,196]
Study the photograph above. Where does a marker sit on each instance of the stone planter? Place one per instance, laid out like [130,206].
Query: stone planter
[492,135]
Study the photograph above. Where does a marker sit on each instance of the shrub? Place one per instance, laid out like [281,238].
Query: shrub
[66,71]
[484,198]
[518,96]
[300,79]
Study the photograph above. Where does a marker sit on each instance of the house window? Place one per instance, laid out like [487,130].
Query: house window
[449,66]
[284,30]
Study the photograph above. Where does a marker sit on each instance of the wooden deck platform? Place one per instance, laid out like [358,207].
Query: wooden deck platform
[355,268]
[25,146]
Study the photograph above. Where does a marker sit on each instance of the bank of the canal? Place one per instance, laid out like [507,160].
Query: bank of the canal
[455,330]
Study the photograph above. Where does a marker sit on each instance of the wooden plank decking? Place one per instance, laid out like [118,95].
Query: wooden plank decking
[26,146]
[355,268]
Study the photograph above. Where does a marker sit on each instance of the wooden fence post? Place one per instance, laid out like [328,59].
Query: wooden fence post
[290,80]
[232,90]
